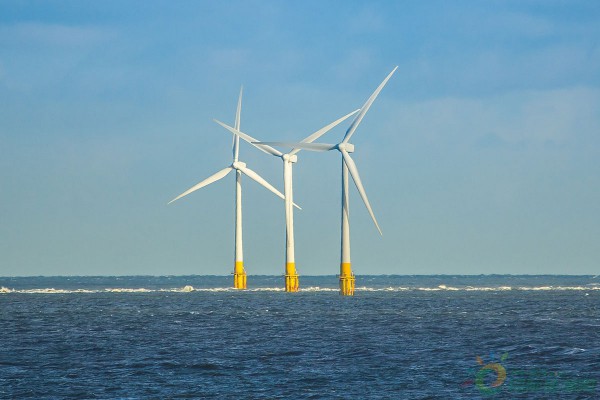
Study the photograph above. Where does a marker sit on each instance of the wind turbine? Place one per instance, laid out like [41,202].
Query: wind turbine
[347,279]
[239,273]
[289,159]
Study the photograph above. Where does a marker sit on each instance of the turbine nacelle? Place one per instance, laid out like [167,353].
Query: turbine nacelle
[240,166]
[290,157]
[348,147]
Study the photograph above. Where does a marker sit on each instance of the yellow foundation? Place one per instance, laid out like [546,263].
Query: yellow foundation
[239,275]
[347,280]
[292,282]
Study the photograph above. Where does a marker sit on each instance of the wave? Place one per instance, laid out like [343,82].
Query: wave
[190,289]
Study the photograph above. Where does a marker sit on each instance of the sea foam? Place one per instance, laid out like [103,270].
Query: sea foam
[191,289]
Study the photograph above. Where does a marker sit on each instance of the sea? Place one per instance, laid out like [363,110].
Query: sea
[399,337]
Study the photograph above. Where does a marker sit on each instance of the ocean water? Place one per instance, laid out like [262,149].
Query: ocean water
[399,337]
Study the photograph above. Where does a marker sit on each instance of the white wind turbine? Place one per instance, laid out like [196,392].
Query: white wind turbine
[347,279]
[239,273]
[291,274]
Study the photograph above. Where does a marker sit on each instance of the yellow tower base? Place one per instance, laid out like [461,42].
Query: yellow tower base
[239,275]
[347,280]
[292,283]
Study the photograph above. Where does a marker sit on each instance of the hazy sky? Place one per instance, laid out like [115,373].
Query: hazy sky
[481,155]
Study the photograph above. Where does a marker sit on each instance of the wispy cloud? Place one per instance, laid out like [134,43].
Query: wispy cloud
[37,55]
[531,117]
[354,65]
[518,23]
[54,34]
[229,58]
[366,20]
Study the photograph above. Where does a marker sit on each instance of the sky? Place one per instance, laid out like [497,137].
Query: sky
[480,156]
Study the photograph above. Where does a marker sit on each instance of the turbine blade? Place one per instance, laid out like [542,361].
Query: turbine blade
[213,178]
[305,146]
[323,130]
[250,139]
[238,113]
[356,178]
[366,107]
[287,185]
[235,146]
[254,176]
[260,180]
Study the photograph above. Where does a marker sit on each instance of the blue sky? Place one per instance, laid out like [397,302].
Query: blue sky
[480,156]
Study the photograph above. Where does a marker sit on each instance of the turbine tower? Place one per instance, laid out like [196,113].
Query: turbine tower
[292,283]
[347,279]
[239,273]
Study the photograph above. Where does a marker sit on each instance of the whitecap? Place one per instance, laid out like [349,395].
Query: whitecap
[218,289]
[574,350]
[45,291]
[189,288]
[318,289]
[556,288]
[128,290]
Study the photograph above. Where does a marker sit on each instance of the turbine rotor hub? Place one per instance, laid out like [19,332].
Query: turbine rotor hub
[291,158]
[349,147]
[238,165]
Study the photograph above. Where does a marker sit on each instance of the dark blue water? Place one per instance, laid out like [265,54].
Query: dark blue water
[400,337]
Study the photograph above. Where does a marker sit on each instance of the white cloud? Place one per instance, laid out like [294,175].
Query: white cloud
[523,117]
[367,20]
[524,25]
[54,34]
[354,65]
[229,58]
